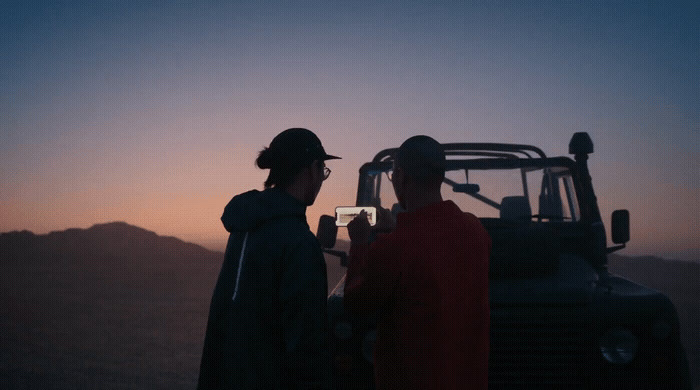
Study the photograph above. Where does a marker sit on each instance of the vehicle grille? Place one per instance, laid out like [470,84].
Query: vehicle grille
[535,348]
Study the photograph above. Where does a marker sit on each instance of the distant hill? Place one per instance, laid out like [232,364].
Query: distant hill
[110,307]
[110,241]
[118,307]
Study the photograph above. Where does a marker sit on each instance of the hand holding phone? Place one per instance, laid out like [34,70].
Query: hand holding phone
[343,215]
[359,228]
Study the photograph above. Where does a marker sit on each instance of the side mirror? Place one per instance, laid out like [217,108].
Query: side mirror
[327,231]
[620,226]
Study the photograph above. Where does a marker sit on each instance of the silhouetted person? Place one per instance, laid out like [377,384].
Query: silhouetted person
[267,325]
[428,279]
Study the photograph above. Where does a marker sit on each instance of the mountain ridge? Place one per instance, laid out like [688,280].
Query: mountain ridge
[114,241]
[102,230]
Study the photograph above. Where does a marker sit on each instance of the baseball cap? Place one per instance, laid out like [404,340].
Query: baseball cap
[299,145]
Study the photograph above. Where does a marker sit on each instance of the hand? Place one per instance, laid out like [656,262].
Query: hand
[359,228]
[385,220]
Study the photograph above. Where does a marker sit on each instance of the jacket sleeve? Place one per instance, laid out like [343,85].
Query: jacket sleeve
[212,368]
[303,290]
[372,276]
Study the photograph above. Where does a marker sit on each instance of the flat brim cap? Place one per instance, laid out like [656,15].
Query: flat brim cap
[299,144]
[330,157]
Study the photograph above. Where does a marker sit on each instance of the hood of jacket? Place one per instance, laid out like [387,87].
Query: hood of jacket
[251,209]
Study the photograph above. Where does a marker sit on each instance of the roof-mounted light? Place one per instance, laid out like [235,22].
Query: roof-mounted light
[581,144]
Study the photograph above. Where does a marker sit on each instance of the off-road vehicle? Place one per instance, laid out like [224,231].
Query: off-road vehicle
[558,318]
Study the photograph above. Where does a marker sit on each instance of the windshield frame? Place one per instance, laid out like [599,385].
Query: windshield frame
[371,180]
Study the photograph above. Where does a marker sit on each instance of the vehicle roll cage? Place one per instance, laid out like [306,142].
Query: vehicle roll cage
[483,149]
[483,156]
[467,156]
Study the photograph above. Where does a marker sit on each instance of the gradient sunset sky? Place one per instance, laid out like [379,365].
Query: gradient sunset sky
[153,112]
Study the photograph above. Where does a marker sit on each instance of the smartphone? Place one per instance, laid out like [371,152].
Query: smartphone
[343,215]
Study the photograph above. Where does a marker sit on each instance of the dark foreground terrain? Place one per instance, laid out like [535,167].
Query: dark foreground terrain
[118,307]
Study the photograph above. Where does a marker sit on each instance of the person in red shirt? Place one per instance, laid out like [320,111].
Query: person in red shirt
[427,280]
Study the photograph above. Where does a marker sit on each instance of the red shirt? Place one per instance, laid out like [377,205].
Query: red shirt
[429,279]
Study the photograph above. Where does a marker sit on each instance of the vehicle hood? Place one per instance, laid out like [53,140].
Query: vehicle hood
[574,282]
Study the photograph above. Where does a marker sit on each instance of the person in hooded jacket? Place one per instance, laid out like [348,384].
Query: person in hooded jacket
[267,326]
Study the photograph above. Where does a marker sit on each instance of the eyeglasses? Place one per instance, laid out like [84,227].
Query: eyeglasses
[326,172]
[390,173]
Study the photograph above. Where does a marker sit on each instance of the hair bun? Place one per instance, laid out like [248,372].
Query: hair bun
[266,159]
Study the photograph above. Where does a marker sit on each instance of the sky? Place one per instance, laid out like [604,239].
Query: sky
[153,112]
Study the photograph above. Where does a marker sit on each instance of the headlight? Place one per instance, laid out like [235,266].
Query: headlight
[619,345]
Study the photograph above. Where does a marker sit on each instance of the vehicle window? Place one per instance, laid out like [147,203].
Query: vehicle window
[548,191]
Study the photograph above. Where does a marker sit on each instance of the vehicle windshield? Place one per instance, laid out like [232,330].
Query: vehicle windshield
[544,193]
